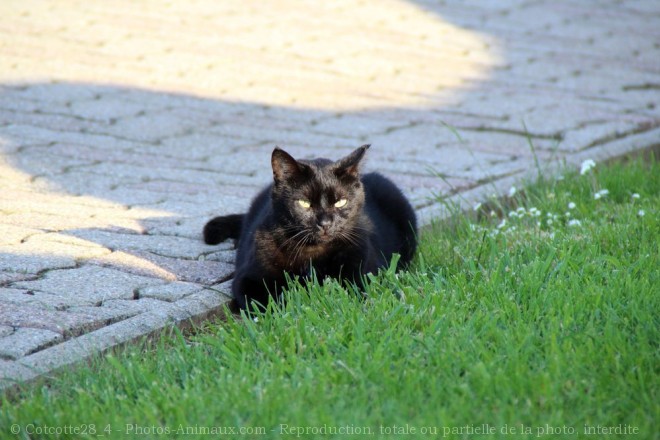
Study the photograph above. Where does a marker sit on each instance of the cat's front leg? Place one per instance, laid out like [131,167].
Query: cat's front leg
[253,293]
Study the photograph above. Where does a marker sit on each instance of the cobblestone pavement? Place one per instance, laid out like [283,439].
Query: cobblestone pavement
[125,125]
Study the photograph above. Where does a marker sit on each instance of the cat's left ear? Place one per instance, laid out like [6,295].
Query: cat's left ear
[350,165]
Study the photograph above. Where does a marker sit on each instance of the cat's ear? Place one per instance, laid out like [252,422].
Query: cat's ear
[350,165]
[284,166]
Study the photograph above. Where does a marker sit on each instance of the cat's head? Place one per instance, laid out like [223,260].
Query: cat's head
[318,201]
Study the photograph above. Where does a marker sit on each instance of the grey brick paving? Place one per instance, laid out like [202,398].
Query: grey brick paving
[123,130]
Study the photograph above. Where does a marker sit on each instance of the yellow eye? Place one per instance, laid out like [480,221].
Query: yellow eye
[340,203]
[304,203]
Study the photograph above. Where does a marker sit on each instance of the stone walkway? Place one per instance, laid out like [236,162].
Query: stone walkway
[125,126]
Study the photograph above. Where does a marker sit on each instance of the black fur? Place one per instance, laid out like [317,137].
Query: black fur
[281,234]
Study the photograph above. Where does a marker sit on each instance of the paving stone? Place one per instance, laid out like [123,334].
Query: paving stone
[168,269]
[5,330]
[10,234]
[38,299]
[90,284]
[355,125]
[63,323]
[169,246]
[124,331]
[25,341]
[7,278]
[169,292]
[204,302]
[187,227]
[228,255]
[62,244]
[148,127]
[106,108]
[198,146]
[60,222]
[13,373]
[113,311]
[20,260]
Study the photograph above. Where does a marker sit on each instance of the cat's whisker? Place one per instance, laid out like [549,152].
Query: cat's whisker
[290,239]
[301,245]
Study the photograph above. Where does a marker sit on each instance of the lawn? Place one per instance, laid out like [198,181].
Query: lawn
[534,315]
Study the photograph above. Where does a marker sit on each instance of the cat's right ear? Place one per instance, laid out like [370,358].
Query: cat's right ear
[284,166]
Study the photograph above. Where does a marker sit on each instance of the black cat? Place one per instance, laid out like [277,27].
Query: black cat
[320,214]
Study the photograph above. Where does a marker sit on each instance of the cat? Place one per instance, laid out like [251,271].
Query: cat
[317,215]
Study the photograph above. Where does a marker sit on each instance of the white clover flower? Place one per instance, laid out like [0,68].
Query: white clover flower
[600,194]
[520,210]
[549,222]
[571,205]
[574,222]
[567,213]
[512,191]
[513,214]
[641,213]
[534,212]
[586,166]
[502,224]
[476,207]
[635,196]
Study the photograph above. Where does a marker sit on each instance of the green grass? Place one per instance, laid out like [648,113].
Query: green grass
[538,325]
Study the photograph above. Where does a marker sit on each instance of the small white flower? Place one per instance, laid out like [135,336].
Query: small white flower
[571,205]
[635,196]
[520,210]
[502,224]
[512,191]
[641,213]
[513,214]
[534,212]
[600,194]
[574,222]
[476,207]
[549,221]
[255,319]
[567,213]
[586,166]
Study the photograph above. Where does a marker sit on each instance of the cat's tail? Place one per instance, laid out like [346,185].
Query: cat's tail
[221,228]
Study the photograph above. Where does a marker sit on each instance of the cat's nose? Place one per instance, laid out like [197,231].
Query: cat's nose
[324,223]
